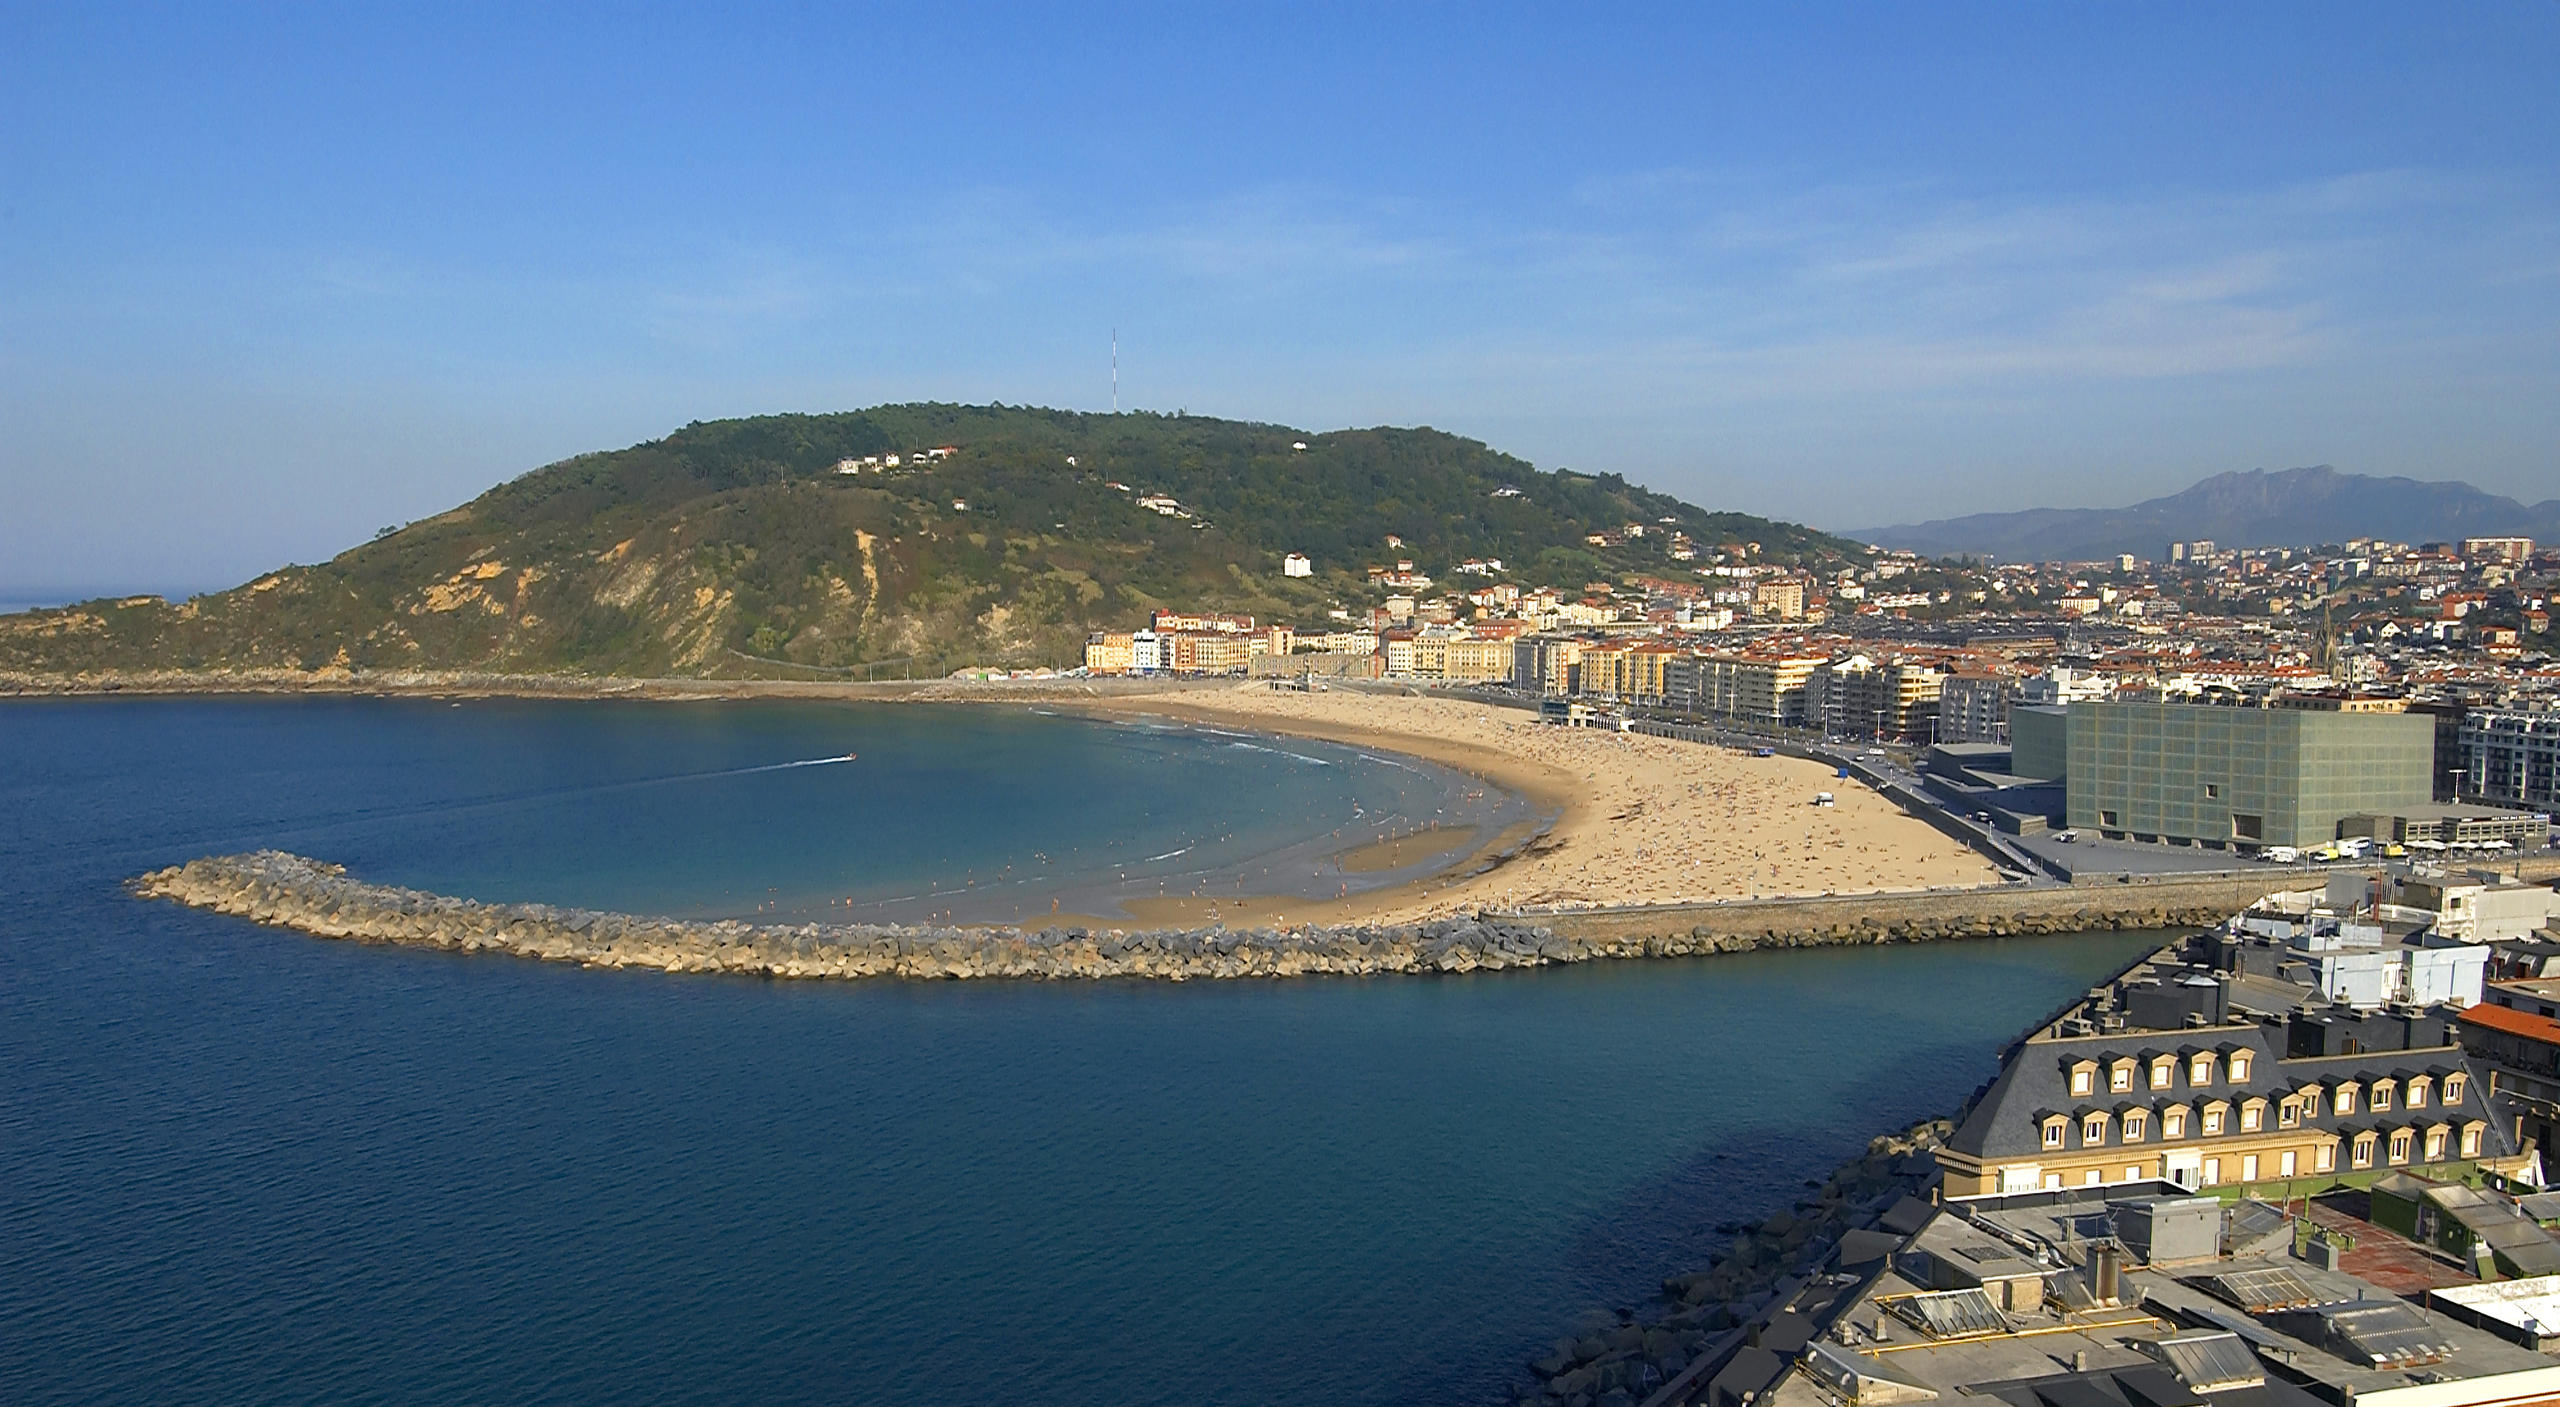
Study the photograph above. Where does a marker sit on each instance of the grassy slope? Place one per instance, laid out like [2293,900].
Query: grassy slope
[733,542]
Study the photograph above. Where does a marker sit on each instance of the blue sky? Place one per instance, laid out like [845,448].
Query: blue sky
[271,277]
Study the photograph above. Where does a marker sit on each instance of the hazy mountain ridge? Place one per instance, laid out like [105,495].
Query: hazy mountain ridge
[736,547]
[2285,508]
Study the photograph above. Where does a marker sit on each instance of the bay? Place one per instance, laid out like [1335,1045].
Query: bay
[238,1165]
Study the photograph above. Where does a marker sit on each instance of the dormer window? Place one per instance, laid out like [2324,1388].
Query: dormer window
[2470,1140]
[2418,1092]
[2253,1116]
[2136,1123]
[2160,1072]
[2239,1066]
[2346,1101]
[2200,1070]
[2120,1077]
[2081,1076]
[2289,1114]
[2400,1146]
[2453,1090]
[2093,1130]
[2212,1120]
[2380,1103]
[2361,1155]
[2435,1145]
[2053,1131]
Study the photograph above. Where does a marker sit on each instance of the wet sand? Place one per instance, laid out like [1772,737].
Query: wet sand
[1639,820]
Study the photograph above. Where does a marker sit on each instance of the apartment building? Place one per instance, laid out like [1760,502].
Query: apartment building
[1763,690]
[2511,757]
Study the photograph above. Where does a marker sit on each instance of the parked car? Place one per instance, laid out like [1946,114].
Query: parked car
[2066,837]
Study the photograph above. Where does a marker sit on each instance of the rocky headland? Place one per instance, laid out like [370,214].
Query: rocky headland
[321,899]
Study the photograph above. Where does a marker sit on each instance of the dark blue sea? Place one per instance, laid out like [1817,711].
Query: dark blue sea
[238,1165]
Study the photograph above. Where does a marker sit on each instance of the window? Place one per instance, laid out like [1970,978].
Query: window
[2160,1073]
[2107,819]
[2381,1100]
[2135,1124]
[2093,1130]
[2174,1124]
[2200,1070]
[2400,1146]
[2418,1093]
[2453,1090]
[2249,1168]
[2212,1172]
[2053,1182]
[2213,791]
[2090,1178]
[2346,1100]
[2362,1154]
[2285,1164]
[2239,1065]
[2252,1117]
[2290,1115]
[2053,1134]
[2133,1172]
[2435,1145]
[2247,827]
[2120,1079]
[2212,1122]
[2080,1080]
[2324,1158]
[2471,1141]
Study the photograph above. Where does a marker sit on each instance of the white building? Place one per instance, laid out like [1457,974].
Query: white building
[1146,653]
[1297,564]
[2512,757]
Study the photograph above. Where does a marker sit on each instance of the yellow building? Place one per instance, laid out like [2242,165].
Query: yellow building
[1109,652]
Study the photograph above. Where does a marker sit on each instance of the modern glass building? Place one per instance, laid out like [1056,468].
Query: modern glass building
[2241,777]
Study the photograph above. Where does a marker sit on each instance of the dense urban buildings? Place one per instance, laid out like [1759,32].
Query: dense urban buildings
[2261,699]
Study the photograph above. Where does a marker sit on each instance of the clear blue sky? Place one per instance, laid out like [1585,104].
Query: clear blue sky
[272,277]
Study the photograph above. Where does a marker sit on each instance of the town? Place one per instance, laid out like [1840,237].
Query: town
[2322,701]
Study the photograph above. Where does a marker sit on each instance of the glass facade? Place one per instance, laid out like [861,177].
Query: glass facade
[2239,776]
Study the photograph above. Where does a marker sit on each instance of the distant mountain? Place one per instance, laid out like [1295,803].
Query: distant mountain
[2288,508]
[964,534]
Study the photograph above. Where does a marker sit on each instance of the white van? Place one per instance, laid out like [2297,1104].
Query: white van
[1823,798]
[2280,854]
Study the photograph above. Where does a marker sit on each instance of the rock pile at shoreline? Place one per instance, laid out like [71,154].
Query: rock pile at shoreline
[1623,1361]
[317,898]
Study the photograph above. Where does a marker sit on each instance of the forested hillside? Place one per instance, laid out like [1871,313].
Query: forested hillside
[741,547]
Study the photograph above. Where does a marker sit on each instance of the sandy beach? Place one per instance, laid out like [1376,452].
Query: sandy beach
[1640,820]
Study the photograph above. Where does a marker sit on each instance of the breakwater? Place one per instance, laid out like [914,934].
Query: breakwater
[321,899]
[1636,1351]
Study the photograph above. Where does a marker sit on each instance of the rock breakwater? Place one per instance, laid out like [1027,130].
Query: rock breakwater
[321,899]
[1621,1357]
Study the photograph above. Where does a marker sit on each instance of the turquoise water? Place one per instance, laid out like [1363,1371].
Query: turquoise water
[237,1165]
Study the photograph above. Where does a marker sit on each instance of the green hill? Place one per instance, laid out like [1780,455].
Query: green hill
[738,548]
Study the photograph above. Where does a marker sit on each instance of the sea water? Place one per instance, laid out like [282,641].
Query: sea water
[241,1165]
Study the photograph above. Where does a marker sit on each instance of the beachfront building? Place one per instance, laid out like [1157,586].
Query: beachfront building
[2512,757]
[1973,707]
[1758,690]
[1547,664]
[1110,652]
[1856,697]
[2221,1107]
[2201,774]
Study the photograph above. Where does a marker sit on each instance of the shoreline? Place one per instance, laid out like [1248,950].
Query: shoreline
[1624,820]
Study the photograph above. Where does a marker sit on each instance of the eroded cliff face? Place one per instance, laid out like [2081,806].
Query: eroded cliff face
[320,899]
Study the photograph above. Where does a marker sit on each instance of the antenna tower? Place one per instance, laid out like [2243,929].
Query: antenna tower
[1115,371]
